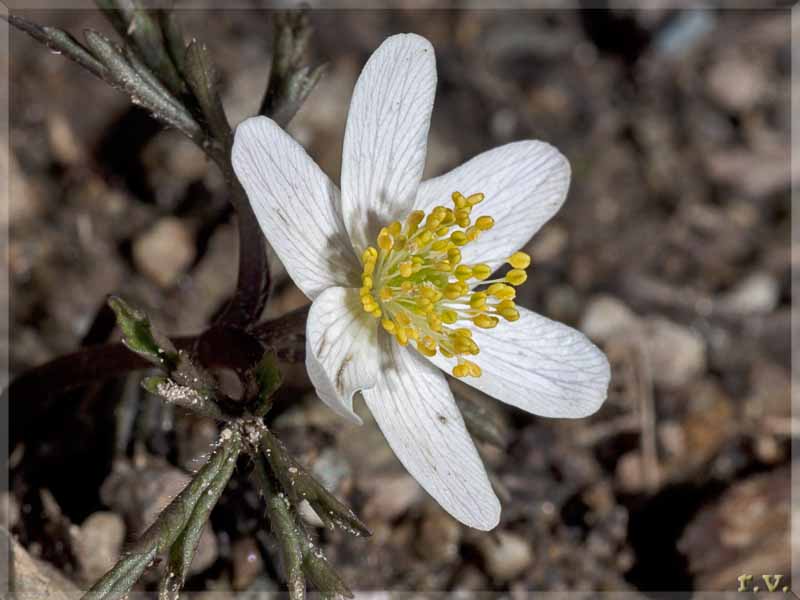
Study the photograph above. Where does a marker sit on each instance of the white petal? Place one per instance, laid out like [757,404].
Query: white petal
[325,390]
[386,136]
[414,408]
[341,341]
[297,206]
[525,184]
[540,366]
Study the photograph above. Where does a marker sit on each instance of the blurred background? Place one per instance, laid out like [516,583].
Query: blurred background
[672,252]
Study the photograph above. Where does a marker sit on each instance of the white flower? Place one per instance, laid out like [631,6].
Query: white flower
[391,271]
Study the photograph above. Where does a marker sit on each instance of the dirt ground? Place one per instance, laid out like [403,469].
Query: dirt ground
[672,252]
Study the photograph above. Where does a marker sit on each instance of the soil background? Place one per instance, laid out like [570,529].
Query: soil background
[672,252]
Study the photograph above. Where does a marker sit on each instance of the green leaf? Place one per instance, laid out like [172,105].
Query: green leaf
[183,550]
[169,525]
[202,78]
[300,485]
[301,556]
[133,21]
[62,42]
[139,337]
[268,380]
[322,575]
[125,77]
[173,36]
[285,528]
[290,81]
[118,582]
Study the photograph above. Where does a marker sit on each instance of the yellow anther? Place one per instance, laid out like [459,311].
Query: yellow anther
[395,228]
[506,304]
[385,241]
[516,276]
[453,290]
[449,316]
[444,266]
[414,282]
[485,321]
[464,345]
[501,291]
[460,370]
[462,217]
[426,351]
[463,272]
[519,260]
[427,346]
[459,238]
[466,368]
[369,253]
[481,271]
[430,293]
[454,256]
[425,304]
[449,217]
[484,223]
[402,336]
[509,314]
[369,267]
[477,300]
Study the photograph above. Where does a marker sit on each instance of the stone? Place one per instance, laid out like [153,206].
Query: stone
[390,496]
[629,473]
[65,145]
[439,537]
[677,354]
[548,244]
[758,293]
[746,530]
[9,510]
[737,84]
[97,544]
[246,562]
[506,555]
[26,578]
[606,317]
[164,251]
[195,438]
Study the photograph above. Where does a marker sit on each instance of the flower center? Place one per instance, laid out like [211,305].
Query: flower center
[416,284]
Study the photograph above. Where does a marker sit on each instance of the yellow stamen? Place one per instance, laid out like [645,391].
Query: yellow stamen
[519,260]
[414,281]
[516,276]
